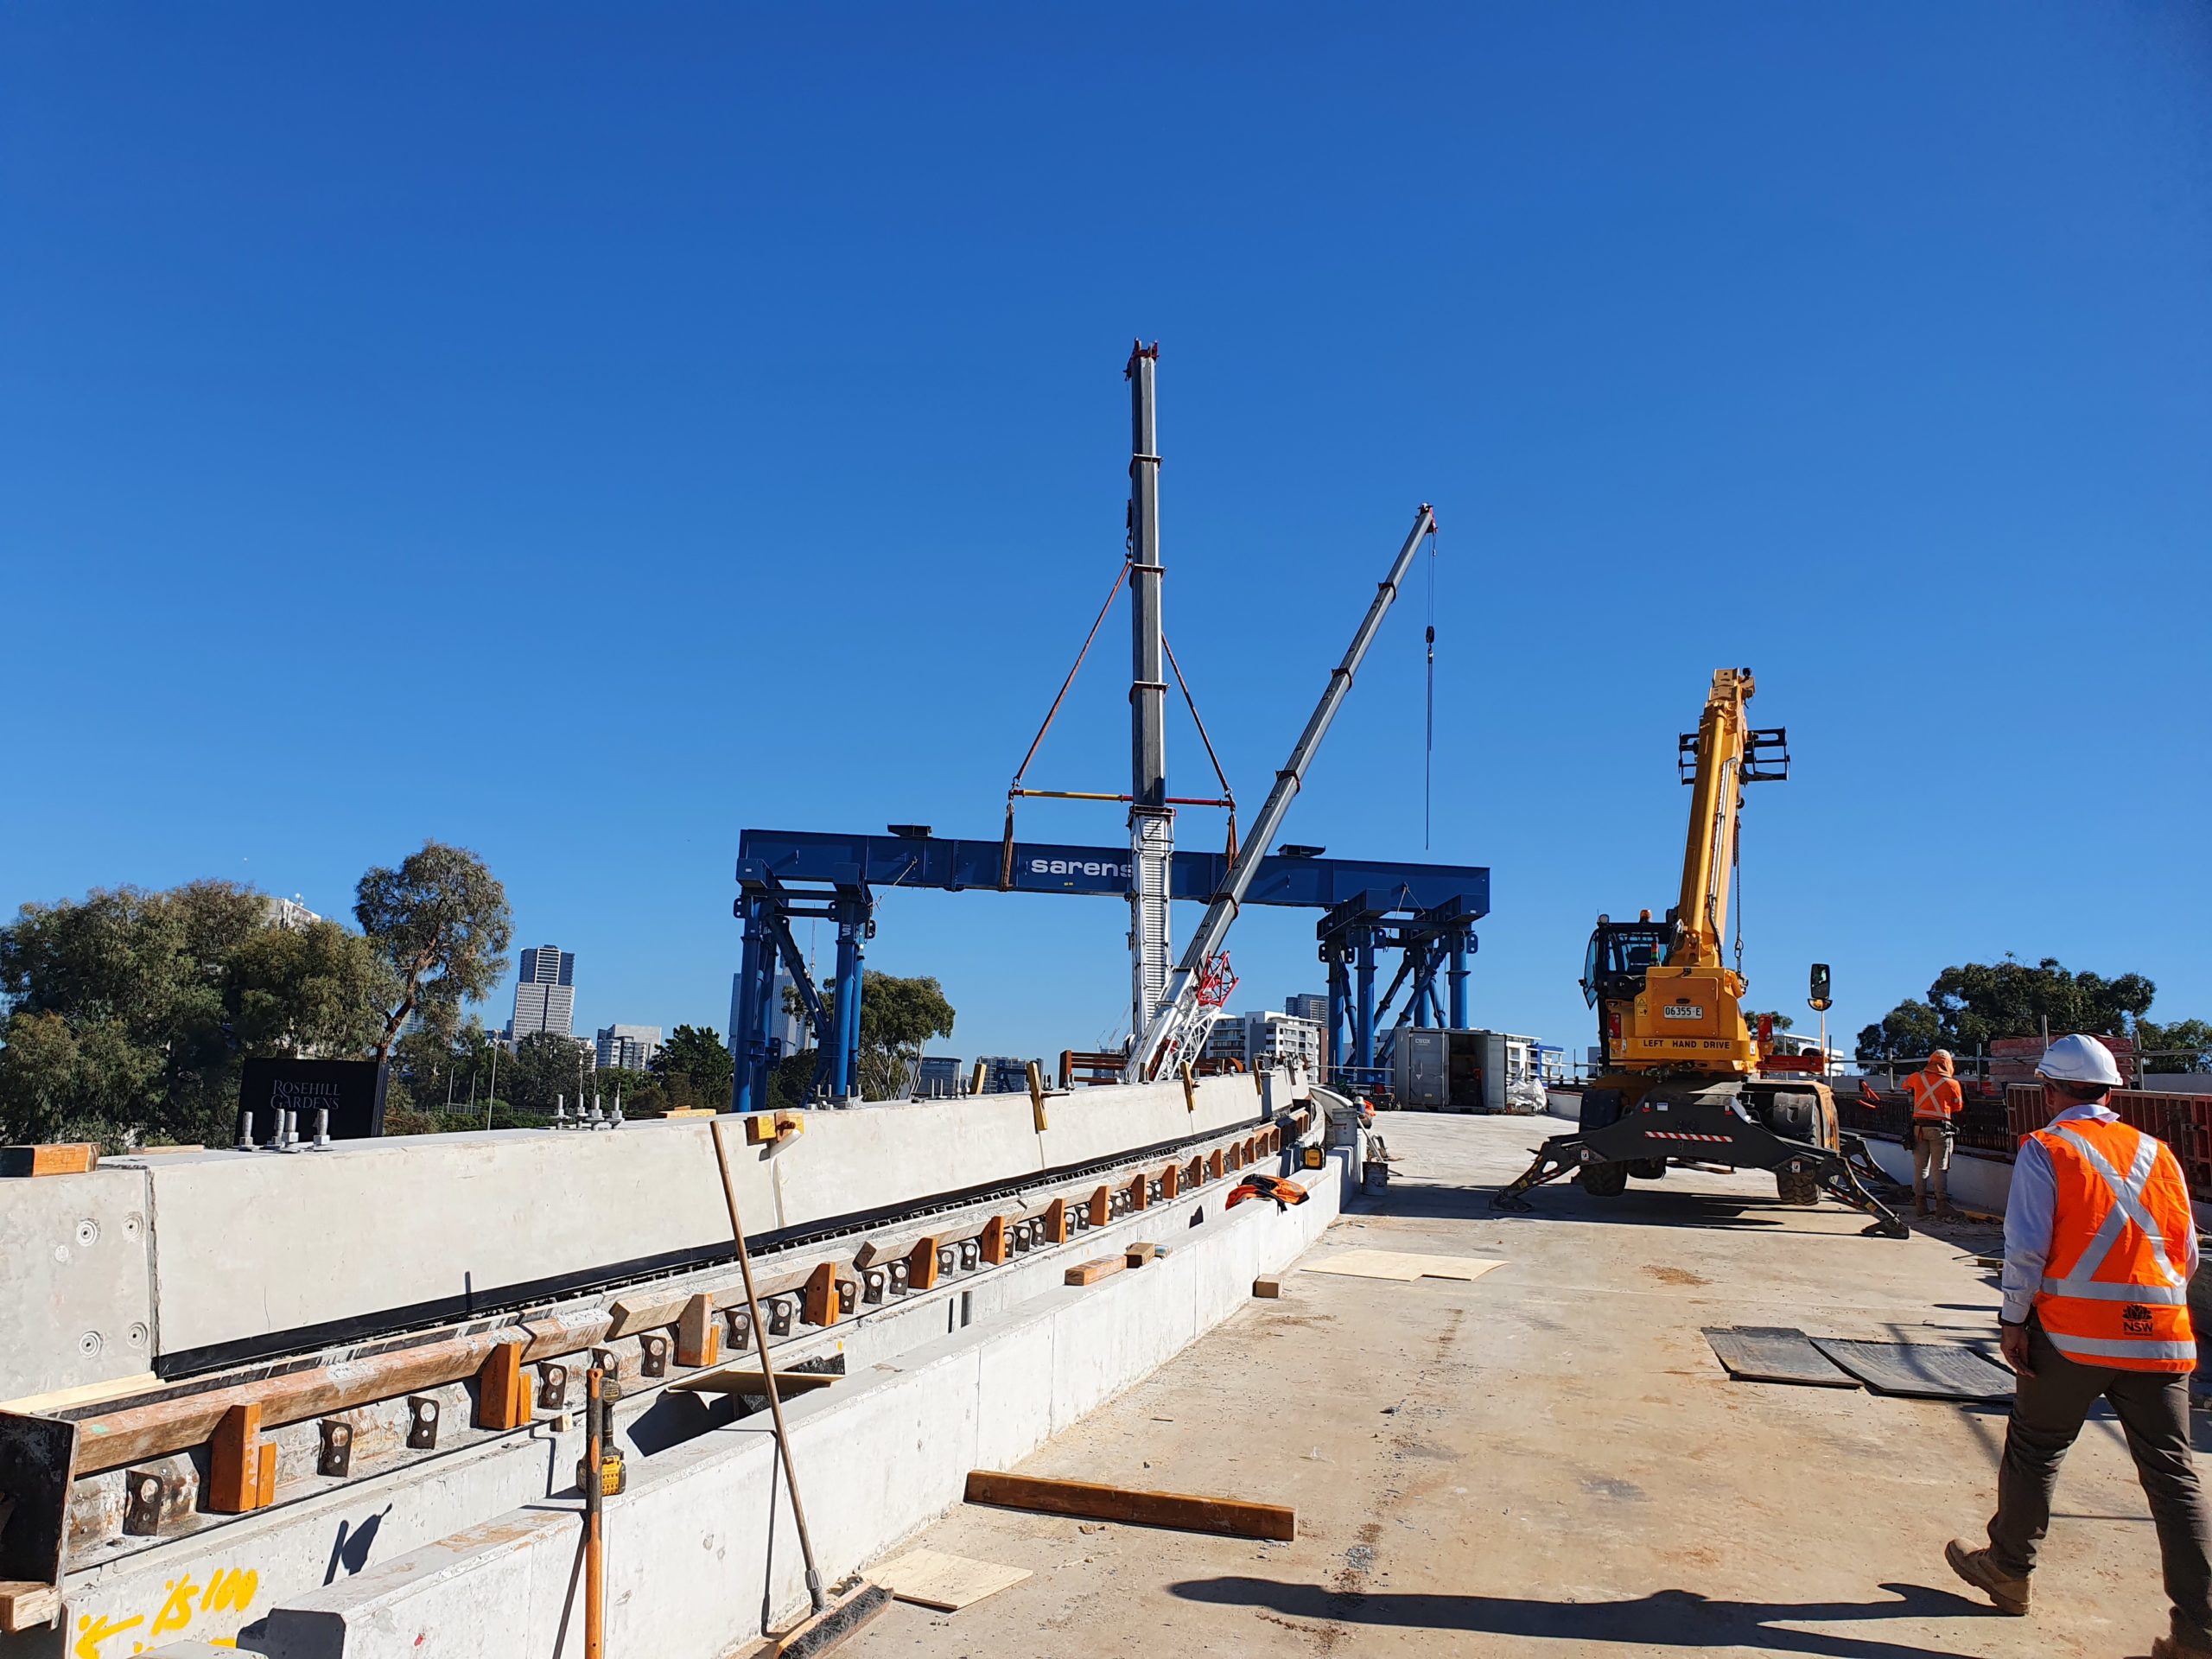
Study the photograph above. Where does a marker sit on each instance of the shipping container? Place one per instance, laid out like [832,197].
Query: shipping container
[1465,1070]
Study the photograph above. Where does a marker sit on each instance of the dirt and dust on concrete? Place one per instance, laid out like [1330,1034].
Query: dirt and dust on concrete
[1550,1461]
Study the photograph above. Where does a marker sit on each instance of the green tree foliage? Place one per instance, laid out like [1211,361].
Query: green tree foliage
[898,1017]
[441,924]
[1970,1006]
[130,1011]
[546,1068]
[2184,1045]
[1782,1021]
[693,1068]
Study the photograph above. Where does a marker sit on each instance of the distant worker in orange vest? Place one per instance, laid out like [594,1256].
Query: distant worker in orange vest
[1935,1102]
[2099,1245]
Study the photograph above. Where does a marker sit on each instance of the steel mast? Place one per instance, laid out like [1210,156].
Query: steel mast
[1152,821]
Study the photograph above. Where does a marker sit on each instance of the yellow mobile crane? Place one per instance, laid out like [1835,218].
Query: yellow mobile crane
[1684,1077]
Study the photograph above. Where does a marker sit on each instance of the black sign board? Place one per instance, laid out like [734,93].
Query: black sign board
[352,1089]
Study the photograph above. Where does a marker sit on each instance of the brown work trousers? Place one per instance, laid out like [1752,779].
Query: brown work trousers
[2048,1411]
[1931,1163]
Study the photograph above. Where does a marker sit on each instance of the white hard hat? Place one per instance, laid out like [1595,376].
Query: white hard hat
[2079,1059]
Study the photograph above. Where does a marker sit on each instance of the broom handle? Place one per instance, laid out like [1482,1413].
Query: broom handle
[768,1371]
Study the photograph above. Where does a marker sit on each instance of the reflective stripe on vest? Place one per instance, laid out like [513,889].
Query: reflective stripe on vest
[1928,1105]
[2139,1321]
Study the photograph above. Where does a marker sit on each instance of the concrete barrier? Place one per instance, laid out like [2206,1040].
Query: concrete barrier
[879,1457]
[1978,1180]
[212,1257]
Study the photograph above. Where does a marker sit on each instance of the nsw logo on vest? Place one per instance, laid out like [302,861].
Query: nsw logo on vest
[2135,1320]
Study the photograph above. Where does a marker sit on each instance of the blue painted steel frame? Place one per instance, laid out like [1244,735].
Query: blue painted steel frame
[786,872]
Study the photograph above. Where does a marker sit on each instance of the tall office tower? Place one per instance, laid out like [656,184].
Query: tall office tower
[628,1048]
[1305,1006]
[545,995]
[793,1029]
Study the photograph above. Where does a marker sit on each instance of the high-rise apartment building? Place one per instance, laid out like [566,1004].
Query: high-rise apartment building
[545,995]
[629,1047]
[1306,1006]
[793,1029]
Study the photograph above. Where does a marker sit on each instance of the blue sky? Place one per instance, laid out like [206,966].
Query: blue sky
[582,433]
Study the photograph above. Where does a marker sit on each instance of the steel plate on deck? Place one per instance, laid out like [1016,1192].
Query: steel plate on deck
[1927,1370]
[1775,1353]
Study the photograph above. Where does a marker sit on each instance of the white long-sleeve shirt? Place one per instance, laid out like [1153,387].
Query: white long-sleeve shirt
[2030,1211]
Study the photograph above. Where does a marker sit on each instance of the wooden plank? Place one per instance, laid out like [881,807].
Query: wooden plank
[1267,1289]
[234,1463]
[121,1438]
[741,1380]
[1056,1221]
[1183,1512]
[1170,1182]
[1214,1164]
[502,1402]
[820,1305]
[264,1475]
[698,1333]
[993,1243]
[1102,1206]
[931,1579]
[25,1605]
[1140,1191]
[66,1158]
[1090,1273]
[921,1265]
[1404,1265]
[655,1310]
[1141,1252]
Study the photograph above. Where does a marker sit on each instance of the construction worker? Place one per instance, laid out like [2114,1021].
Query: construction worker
[2099,1248]
[1935,1102]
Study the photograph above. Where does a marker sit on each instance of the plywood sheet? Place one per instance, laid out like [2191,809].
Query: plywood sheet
[1405,1265]
[929,1578]
[1775,1353]
[1925,1371]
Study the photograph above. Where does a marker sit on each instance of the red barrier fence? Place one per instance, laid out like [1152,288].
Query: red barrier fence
[2183,1122]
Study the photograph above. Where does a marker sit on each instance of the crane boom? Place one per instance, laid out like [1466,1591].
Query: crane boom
[1701,914]
[1177,1031]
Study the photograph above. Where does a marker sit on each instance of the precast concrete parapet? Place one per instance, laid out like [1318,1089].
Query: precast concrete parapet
[701,1546]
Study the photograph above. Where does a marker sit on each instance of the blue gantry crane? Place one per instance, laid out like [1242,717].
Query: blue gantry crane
[1427,910]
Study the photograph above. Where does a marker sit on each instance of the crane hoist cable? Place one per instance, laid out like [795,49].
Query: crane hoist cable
[1429,741]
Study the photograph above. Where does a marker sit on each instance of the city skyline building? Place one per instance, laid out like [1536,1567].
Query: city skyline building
[628,1048]
[791,1028]
[545,995]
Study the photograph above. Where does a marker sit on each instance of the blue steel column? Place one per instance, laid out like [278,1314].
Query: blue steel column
[1459,944]
[1364,1037]
[848,913]
[1339,1008]
[747,1082]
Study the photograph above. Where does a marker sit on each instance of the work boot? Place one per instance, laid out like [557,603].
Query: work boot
[1978,1569]
[1919,1205]
[2172,1647]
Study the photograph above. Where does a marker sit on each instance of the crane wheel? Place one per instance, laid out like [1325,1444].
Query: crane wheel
[1605,1180]
[1647,1169]
[1803,1188]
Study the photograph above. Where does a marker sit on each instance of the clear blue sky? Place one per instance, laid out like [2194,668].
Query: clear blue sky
[582,433]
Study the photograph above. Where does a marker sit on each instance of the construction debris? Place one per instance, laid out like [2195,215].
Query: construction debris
[1405,1265]
[945,1583]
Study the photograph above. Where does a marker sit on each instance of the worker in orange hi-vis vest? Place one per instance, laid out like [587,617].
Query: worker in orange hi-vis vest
[2099,1245]
[1936,1103]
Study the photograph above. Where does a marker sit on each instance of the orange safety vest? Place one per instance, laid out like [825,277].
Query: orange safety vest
[1934,1099]
[2115,1289]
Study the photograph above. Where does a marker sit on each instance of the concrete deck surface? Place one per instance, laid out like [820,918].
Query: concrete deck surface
[1548,1460]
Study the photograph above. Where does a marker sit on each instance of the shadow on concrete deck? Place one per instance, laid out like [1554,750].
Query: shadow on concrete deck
[1667,1619]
